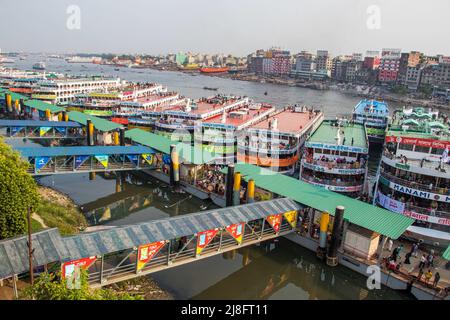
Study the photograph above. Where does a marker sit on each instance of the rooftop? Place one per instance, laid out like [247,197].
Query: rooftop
[81,150]
[99,123]
[370,106]
[328,130]
[288,121]
[43,106]
[357,212]
[240,116]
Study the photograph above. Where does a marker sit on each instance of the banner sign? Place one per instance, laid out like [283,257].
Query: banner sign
[40,162]
[419,193]
[166,159]
[148,158]
[237,231]
[79,160]
[291,217]
[43,131]
[275,221]
[103,159]
[399,207]
[68,268]
[61,130]
[390,204]
[15,130]
[336,188]
[333,170]
[204,238]
[133,158]
[336,147]
[146,252]
[437,144]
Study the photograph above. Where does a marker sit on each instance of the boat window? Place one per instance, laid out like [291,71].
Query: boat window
[422,149]
[436,151]
[404,146]
[326,151]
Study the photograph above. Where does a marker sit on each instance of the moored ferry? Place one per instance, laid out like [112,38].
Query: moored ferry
[275,142]
[336,157]
[375,115]
[414,174]
[214,69]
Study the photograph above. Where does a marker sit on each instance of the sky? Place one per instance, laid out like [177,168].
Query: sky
[236,27]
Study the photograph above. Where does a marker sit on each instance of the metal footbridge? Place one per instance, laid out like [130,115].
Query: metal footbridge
[37,129]
[126,252]
[63,160]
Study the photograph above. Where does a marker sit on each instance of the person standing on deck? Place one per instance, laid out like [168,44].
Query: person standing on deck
[414,249]
[428,276]
[423,259]
[437,277]
[390,245]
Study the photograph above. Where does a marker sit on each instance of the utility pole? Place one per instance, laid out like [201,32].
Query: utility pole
[30,248]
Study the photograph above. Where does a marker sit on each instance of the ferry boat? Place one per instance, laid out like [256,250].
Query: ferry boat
[336,157]
[414,173]
[214,70]
[375,115]
[39,66]
[220,134]
[275,142]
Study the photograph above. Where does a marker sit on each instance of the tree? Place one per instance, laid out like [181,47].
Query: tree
[18,192]
[49,287]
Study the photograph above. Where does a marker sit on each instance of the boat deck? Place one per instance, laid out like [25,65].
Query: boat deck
[326,134]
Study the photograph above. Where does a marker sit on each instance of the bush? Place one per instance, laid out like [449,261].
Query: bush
[18,192]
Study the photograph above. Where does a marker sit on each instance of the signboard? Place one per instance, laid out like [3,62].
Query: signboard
[275,221]
[335,147]
[133,158]
[40,162]
[337,188]
[237,231]
[291,217]
[61,130]
[390,204]
[419,193]
[15,130]
[166,159]
[427,218]
[103,159]
[43,131]
[146,252]
[204,238]
[333,170]
[148,158]
[68,268]
[79,160]
[437,144]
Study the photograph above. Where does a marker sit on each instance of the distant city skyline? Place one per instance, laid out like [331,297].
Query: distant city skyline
[228,27]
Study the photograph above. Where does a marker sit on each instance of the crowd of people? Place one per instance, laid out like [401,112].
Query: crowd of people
[212,180]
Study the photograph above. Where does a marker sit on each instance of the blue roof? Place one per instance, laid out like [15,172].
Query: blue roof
[38,123]
[79,151]
[380,107]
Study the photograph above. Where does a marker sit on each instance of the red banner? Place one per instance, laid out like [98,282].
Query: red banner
[438,144]
[204,238]
[147,251]
[237,231]
[67,268]
[275,221]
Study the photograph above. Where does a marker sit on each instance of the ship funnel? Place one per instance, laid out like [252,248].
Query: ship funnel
[188,105]
[224,117]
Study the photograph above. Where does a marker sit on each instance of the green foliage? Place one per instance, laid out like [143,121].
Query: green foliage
[18,191]
[49,287]
[35,225]
[66,218]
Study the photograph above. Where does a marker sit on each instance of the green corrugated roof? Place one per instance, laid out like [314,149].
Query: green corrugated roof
[187,153]
[99,123]
[357,212]
[446,254]
[326,133]
[15,96]
[42,106]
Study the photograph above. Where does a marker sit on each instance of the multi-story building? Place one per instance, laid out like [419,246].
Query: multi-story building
[305,62]
[389,65]
[323,62]
[408,60]
[339,68]
[281,62]
[371,63]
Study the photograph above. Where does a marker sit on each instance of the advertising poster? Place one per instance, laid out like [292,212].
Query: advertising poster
[68,268]
[40,162]
[61,130]
[133,158]
[275,221]
[79,160]
[291,217]
[204,238]
[103,159]
[43,131]
[147,251]
[148,158]
[237,231]
[15,130]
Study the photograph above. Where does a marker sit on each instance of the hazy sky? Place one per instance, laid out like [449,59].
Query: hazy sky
[224,26]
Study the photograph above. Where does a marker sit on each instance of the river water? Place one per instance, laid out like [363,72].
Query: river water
[281,270]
